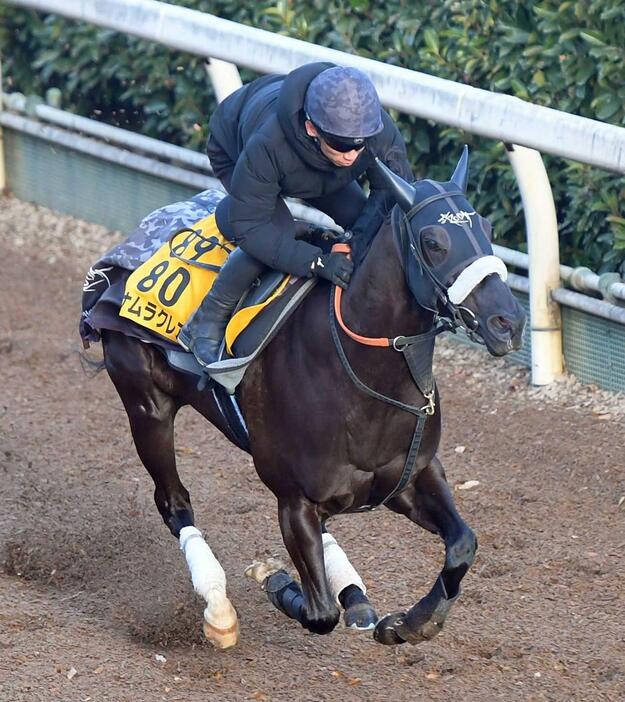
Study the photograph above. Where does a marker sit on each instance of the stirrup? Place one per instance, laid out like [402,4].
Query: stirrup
[214,357]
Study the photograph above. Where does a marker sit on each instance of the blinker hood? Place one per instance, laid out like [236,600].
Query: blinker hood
[445,206]
[405,194]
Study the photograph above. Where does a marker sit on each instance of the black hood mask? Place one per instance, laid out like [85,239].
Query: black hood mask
[427,204]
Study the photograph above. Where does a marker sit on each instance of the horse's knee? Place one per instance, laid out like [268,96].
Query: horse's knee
[461,552]
[286,594]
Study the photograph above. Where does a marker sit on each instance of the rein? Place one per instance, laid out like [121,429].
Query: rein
[398,342]
[418,351]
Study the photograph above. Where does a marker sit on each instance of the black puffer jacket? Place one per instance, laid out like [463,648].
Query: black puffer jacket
[261,128]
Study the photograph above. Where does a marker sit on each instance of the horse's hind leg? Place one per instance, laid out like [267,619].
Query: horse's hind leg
[430,504]
[151,413]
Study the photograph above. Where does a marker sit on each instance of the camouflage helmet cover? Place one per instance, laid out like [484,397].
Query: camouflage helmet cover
[343,101]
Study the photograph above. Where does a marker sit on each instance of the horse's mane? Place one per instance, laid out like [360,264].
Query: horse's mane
[361,244]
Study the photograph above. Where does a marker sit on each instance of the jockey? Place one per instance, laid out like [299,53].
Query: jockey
[310,135]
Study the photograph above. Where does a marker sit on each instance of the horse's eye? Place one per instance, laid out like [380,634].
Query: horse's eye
[436,244]
[433,245]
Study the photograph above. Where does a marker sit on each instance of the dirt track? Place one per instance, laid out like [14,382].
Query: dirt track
[91,580]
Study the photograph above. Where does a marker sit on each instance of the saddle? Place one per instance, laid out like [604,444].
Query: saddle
[149,285]
[224,376]
[173,257]
[261,313]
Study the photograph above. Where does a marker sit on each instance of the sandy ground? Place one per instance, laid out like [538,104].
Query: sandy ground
[93,588]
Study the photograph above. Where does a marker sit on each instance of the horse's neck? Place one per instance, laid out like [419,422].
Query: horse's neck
[378,301]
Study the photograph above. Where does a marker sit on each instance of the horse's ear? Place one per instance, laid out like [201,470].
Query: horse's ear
[403,192]
[461,174]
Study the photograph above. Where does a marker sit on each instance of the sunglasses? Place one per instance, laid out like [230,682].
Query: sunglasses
[342,144]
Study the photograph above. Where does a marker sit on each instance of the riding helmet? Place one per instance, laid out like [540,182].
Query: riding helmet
[343,101]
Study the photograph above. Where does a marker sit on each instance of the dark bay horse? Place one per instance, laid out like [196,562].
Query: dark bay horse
[322,444]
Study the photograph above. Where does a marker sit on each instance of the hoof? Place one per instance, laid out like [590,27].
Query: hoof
[425,620]
[222,630]
[360,617]
[385,631]
[261,570]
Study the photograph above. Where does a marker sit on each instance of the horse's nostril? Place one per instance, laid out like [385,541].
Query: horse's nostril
[500,324]
[504,323]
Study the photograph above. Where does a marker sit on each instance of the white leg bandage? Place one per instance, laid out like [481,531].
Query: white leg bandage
[339,571]
[209,578]
[221,626]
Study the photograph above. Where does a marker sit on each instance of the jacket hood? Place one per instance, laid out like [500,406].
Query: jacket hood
[290,108]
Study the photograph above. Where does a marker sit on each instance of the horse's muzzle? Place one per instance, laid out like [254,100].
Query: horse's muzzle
[505,332]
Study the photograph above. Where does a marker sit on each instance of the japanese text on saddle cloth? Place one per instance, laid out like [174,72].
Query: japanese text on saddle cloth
[164,291]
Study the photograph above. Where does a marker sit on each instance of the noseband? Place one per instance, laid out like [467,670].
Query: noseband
[417,350]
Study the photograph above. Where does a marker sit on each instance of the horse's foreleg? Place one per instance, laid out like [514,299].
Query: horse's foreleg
[430,504]
[314,606]
[347,587]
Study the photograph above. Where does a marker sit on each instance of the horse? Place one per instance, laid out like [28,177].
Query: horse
[342,419]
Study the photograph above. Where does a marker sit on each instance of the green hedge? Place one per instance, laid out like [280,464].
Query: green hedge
[567,55]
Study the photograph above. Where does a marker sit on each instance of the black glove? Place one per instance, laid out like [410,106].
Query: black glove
[316,235]
[335,267]
[334,236]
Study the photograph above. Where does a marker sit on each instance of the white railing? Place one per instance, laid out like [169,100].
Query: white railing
[493,115]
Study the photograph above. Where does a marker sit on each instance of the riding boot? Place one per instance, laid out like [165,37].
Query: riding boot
[204,332]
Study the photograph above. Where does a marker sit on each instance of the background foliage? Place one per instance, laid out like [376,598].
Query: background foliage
[567,55]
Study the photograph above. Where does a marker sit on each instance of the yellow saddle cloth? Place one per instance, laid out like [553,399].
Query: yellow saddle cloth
[165,291]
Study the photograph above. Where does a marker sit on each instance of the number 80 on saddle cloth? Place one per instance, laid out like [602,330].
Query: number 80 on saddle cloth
[165,290]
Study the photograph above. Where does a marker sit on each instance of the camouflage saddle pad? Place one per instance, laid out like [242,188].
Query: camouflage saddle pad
[105,283]
[150,284]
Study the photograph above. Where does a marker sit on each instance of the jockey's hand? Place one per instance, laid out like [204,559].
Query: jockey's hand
[335,267]
[334,236]
[313,233]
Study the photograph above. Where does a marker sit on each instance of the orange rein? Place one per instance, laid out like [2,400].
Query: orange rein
[368,341]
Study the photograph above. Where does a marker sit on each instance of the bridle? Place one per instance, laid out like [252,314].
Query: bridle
[417,350]
[459,316]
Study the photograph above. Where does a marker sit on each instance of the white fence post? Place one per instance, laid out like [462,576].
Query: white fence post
[224,76]
[3,178]
[544,257]
[480,112]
